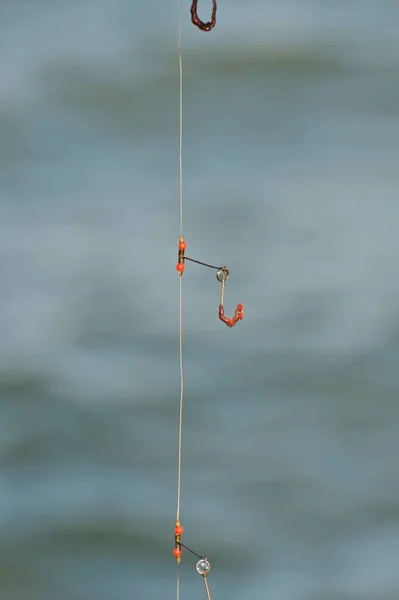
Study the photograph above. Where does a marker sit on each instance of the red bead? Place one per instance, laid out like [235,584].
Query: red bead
[182,245]
[177,552]
[180,267]
[179,529]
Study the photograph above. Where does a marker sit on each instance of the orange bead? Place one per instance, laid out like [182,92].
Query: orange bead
[177,552]
[179,529]
[180,267]
[182,245]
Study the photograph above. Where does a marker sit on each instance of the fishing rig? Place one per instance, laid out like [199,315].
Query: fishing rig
[203,566]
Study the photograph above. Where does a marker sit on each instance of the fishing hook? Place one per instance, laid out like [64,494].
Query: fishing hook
[222,275]
[197,21]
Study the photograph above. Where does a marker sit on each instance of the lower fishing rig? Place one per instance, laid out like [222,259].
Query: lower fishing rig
[203,566]
[222,275]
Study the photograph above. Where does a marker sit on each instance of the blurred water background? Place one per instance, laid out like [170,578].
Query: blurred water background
[290,472]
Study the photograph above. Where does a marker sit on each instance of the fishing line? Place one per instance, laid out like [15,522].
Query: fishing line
[181,403]
[180,119]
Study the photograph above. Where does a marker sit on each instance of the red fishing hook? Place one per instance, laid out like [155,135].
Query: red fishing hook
[238,315]
[222,275]
[197,21]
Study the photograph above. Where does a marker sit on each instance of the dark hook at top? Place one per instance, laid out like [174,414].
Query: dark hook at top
[197,21]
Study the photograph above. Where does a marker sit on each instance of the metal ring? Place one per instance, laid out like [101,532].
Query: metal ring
[222,274]
[203,567]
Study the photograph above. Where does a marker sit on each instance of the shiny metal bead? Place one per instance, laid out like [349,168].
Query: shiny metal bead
[203,567]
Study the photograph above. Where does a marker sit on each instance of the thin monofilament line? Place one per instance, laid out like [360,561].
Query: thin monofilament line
[178,582]
[179,452]
[180,119]
[180,278]
[179,456]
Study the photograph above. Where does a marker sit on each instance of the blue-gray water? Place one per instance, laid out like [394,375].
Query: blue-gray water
[290,466]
